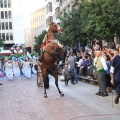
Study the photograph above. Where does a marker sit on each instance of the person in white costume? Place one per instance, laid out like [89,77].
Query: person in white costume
[9,69]
[23,66]
[27,68]
[16,68]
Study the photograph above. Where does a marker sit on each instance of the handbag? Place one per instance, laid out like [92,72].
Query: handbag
[62,77]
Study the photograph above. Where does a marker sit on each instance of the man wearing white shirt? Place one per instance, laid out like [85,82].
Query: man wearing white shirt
[101,68]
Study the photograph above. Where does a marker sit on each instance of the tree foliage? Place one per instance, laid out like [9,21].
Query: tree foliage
[101,18]
[39,40]
[1,42]
[96,19]
[71,25]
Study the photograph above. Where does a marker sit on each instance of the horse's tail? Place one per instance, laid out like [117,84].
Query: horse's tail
[46,83]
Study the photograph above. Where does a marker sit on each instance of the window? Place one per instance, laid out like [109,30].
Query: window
[10,25]
[7,36]
[9,14]
[11,36]
[1,3]
[50,7]
[3,36]
[6,25]
[6,15]
[57,13]
[2,15]
[9,3]
[3,26]
[5,3]
[0,25]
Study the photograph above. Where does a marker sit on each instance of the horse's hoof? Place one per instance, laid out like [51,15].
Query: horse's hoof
[62,95]
[45,96]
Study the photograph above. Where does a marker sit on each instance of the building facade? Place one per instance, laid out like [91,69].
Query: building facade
[6,24]
[37,24]
[52,11]
[57,8]
[66,6]
[11,23]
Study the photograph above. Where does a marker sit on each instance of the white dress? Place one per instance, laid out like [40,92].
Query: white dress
[9,70]
[27,70]
[16,69]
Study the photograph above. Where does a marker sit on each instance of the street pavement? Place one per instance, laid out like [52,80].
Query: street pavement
[21,99]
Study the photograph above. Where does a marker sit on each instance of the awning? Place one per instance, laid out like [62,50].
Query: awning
[5,53]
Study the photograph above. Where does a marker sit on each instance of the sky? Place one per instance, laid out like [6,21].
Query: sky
[26,7]
[32,5]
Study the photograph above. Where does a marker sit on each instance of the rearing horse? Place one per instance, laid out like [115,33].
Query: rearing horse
[51,56]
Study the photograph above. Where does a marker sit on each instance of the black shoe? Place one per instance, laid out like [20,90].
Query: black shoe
[73,83]
[1,84]
[98,93]
[101,94]
[116,100]
[105,94]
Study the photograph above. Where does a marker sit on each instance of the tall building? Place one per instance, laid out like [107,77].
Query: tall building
[11,23]
[52,11]
[57,8]
[37,24]
[67,5]
[6,24]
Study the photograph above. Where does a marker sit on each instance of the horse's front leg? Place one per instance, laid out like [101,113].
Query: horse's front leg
[46,82]
[45,94]
[56,83]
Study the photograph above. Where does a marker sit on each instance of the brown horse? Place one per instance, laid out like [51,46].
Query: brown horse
[51,57]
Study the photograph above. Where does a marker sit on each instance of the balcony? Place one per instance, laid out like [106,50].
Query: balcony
[57,4]
[57,21]
[47,1]
[50,14]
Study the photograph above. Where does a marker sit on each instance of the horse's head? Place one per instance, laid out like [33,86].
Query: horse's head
[54,28]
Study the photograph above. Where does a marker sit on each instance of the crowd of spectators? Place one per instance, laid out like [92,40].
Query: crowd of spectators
[84,63]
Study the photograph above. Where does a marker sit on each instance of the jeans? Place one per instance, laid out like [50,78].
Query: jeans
[74,70]
[90,70]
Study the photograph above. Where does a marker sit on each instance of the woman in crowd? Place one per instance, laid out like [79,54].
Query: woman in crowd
[66,74]
[108,84]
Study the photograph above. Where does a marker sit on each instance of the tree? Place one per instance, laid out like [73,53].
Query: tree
[1,42]
[101,18]
[71,24]
[39,40]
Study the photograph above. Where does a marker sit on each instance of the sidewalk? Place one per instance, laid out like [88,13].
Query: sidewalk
[23,100]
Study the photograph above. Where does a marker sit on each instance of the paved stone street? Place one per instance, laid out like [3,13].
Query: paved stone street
[23,100]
